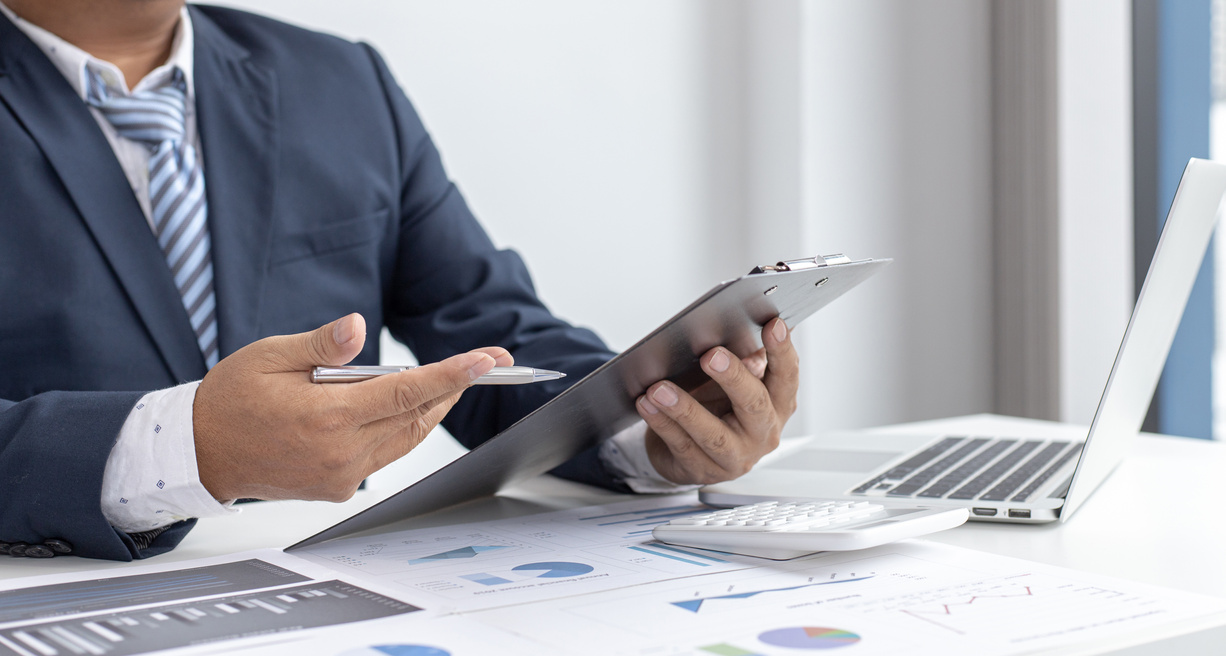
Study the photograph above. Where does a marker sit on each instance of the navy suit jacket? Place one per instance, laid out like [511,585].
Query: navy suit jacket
[325,196]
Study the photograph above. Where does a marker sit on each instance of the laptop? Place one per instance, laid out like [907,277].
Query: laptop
[1015,478]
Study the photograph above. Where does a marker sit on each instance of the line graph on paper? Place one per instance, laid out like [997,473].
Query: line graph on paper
[698,603]
[937,612]
[1022,605]
[637,524]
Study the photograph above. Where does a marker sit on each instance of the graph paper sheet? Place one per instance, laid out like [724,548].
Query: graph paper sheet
[592,580]
[587,581]
[907,598]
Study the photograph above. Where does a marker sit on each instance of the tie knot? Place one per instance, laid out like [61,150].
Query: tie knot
[152,116]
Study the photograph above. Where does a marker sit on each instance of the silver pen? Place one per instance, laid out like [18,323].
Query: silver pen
[496,376]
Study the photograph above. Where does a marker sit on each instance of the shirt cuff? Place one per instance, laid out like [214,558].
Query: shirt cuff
[625,456]
[151,479]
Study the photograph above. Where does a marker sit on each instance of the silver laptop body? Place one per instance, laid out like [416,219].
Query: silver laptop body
[1037,478]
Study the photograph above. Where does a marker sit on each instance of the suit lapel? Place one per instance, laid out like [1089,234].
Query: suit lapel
[56,118]
[236,112]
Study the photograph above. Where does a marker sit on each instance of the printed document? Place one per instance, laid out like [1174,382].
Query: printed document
[591,581]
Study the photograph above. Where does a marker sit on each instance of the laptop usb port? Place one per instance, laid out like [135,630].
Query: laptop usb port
[1019,513]
[984,512]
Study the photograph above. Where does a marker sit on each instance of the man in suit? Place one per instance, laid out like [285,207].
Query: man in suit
[190,197]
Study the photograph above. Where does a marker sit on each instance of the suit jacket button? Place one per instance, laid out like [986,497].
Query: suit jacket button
[39,551]
[4,548]
[17,549]
[58,546]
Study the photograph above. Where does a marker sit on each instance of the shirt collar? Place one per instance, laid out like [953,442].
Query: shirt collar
[73,62]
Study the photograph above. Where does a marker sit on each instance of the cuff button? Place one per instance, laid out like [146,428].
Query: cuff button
[18,549]
[58,546]
[39,551]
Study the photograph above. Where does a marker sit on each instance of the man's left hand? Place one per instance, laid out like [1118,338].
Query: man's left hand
[721,430]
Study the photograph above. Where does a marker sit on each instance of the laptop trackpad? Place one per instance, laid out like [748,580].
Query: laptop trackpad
[834,460]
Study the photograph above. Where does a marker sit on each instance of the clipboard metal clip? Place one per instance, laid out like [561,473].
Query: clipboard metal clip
[807,263]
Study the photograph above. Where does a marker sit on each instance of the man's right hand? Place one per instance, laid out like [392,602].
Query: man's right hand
[263,430]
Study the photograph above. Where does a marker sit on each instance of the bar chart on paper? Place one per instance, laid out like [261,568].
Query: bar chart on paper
[123,591]
[152,628]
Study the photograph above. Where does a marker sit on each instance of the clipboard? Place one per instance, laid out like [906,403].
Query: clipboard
[601,404]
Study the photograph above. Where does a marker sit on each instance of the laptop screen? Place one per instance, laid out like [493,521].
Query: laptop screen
[1151,330]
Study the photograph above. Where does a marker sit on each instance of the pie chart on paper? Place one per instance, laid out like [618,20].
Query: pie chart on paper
[397,650]
[809,637]
[552,570]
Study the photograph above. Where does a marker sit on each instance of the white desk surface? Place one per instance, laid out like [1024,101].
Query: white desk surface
[1157,519]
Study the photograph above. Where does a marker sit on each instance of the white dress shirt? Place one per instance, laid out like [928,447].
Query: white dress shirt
[151,478]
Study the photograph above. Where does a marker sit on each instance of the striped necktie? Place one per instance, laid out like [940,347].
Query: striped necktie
[155,118]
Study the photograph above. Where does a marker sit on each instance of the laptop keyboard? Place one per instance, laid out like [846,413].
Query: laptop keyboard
[977,485]
[974,468]
[1048,473]
[921,479]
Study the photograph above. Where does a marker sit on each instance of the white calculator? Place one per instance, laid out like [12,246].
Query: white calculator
[789,529]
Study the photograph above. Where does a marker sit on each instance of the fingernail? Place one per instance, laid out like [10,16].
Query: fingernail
[344,331]
[719,361]
[646,405]
[780,330]
[482,367]
[665,396]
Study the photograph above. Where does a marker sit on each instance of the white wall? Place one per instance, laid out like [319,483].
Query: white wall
[1095,197]
[898,165]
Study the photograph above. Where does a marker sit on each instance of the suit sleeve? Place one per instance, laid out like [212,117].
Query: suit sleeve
[53,451]
[453,291]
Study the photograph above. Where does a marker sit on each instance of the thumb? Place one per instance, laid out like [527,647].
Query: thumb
[332,344]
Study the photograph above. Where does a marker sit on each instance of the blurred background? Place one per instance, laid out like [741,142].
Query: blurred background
[1014,158]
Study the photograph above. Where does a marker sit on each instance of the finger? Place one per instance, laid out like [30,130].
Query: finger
[502,357]
[782,367]
[379,430]
[751,402]
[716,402]
[397,436]
[711,395]
[708,393]
[712,435]
[756,363]
[406,391]
[690,463]
[332,344]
